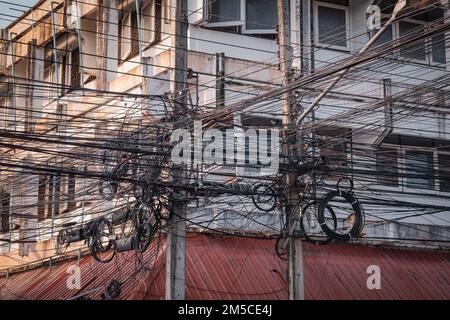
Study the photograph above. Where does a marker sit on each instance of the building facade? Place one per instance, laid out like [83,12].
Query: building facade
[75,74]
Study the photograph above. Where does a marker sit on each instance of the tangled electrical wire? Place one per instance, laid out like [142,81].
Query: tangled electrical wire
[322,216]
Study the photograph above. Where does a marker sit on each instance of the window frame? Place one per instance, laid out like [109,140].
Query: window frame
[380,175]
[235,23]
[244,20]
[401,167]
[128,42]
[152,30]
[404,168]
[398,36]
[393,31]
[5,197]
[347,25]
[429,50]
[428,43]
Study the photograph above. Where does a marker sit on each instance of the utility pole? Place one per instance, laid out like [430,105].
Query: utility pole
[295,258]
[176,230]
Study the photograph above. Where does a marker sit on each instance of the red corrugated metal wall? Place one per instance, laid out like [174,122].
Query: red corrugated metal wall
[243,268]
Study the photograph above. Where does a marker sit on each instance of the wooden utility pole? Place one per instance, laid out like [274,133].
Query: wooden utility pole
[290,153]
[176,230]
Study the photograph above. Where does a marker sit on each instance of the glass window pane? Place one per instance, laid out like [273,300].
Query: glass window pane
[386,36]
[419,169]
[387,166]
[438,48]
[444,172]
[418,50]
[332,26]
[261,14]
[225,10]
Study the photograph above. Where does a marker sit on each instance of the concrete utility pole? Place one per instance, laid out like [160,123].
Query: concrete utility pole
[102,44]
[176,231]
[295,259]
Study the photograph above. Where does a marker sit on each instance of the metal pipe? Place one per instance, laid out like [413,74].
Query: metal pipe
[139,25]
[13,73]
[55,56]
[80,45]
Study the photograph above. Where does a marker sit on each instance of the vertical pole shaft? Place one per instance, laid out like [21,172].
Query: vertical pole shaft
[53,204]
[139,26]
[295,258]
[55,50]
[176,247]
[80,43]
[220,81]
[31,73]
[13,73]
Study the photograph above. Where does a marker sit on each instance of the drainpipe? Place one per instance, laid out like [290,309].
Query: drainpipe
[55,56]
[13,73]
[388,115]
[80,45]
[220,80]
[139,25]
[53,204]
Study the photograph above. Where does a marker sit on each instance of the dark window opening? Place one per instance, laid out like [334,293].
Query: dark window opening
[444,172]
[419,169]
[387,166]
[5,199]
[71,182]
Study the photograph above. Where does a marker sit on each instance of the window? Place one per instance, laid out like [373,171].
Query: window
[260,16]
[150,27]
[419,170]
[75,74]
[332,25]
[225,12]
[5,199]
[71,183]
[125,37]
[43,180]
[54,187]
[417,51]
[6,94]
[444,172]
[151,23]
[430,50]
[386,37]
[246,16]
[68,62]
[51,76]
[387,166]
[49,191]
[438,49]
